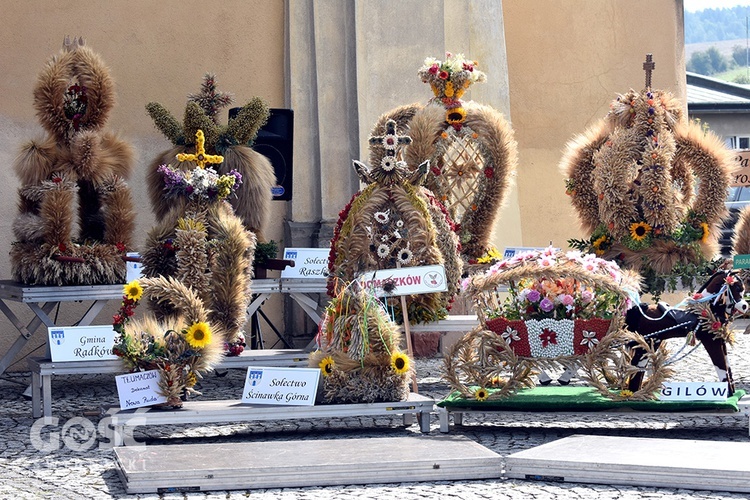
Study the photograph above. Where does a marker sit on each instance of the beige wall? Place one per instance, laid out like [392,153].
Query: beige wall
[567,60]
[157,51]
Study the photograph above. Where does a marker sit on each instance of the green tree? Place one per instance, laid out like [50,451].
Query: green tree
[700,63]
[719,63]
[739,55]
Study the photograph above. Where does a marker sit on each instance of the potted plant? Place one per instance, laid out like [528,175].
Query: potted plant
[265,258]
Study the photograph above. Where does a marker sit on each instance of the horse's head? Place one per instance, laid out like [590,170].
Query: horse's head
[727,289]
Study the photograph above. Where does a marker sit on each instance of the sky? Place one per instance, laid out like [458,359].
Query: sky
[695,5]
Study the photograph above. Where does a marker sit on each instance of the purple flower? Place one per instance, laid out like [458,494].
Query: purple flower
[237,177]
[533,296]
[546,305]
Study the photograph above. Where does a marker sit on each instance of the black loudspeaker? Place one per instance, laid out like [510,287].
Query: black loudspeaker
[275,141]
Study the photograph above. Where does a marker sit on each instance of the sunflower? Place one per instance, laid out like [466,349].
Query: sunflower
[639,231]
[455,115]
[600,244]
[400,362]
[706,232]
[191,379]
[133,291]
[326,366]
[198,335]
[481,394]
[626,394]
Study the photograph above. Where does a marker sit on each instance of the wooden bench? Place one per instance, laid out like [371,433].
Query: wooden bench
[211,412]
[43,369]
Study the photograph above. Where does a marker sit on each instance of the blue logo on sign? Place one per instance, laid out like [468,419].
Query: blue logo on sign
[255,376]
[277,190]
[57,336]
[290,254]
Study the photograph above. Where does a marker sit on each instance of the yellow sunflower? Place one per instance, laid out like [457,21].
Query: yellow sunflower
[639,230]
[400,362]
[133,290]
[455,115]
[706,232]
[326,366]
[191,379]
[198,335]
[598,243]
[481,394]
[626,393]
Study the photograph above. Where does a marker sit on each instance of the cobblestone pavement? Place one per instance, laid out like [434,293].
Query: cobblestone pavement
[71,472]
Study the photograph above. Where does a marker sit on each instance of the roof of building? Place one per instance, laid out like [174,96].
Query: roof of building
[708,94]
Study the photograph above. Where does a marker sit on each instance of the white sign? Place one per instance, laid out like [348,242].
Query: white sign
[133,269]
[81,343]
[740,176]
[406,281]
[511,252]
[309,263]
[693,391]
[139,389]
[281,386]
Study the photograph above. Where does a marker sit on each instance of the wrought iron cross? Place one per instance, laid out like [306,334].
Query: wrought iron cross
[390,140]
[648,67]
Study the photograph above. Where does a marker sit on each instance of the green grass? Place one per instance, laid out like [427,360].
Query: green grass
[732,74]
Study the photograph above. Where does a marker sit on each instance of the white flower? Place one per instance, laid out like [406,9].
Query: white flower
[388,163]
[589,339]
[382,217]
[404,256]
[399,223]
[510,335]
[390,141]
[383,251]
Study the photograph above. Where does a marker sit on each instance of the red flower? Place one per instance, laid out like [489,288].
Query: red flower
[120,246]
[489,172]
[57,178]
[62,247]
[468,67]
[117,319]
[715,325]
[443,75]
[435,171]
[548,337]
[434,69]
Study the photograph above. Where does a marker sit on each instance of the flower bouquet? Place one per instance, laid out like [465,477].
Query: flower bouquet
[541,309]
[181,348]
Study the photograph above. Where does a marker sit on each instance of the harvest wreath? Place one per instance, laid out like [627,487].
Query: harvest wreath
[561,309]
[180,348]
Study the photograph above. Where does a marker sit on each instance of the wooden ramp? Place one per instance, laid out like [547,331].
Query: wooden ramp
[282,464]
[671,463]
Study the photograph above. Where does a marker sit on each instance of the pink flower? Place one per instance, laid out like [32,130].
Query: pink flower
[697,296]
[443,75]
[715,325]
[434,69]
[546,262]
[567,300]
[587,296]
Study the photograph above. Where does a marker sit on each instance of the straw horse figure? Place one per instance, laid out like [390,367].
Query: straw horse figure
[723,292]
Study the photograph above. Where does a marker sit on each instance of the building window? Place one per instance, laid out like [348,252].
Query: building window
[737,142]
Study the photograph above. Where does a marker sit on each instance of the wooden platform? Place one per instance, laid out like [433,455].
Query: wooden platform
[669,463]
[43,369]
[203,412]
[287,464]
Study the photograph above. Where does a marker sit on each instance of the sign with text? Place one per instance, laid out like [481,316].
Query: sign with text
[511,252]
[741,261]
[81,343]
[693,391]
[281,386]
[406,281]
[741,172]
[308,263]
[139,389]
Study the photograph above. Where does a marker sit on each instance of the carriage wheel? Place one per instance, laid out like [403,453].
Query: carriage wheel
[483,361]
[608,368]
